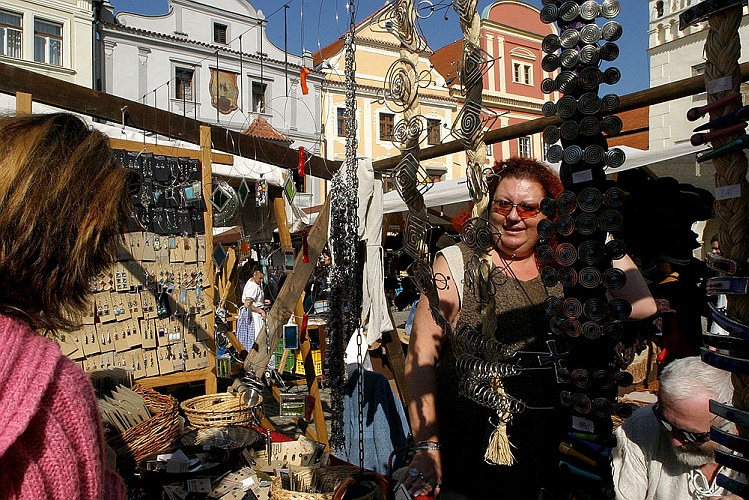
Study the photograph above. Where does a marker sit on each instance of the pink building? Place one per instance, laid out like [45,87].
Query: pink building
[511,36]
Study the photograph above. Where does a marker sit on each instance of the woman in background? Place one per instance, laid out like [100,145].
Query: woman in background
[63,208]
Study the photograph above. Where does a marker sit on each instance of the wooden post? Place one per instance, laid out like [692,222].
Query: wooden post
[23,103]
[309,366]
[392,343]
[206,160]
[258,357]
[311,376]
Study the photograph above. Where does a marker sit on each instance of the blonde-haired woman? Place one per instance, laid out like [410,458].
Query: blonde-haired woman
[63,205]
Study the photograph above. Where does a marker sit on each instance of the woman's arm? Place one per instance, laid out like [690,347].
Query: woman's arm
[423,354]
[635,291]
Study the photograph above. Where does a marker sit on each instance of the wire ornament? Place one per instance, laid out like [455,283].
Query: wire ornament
[475,64]
[471,122]
[399,19]
[412,181]
[409,133]
[415,237]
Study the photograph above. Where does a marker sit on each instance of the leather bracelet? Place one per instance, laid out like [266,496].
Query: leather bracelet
[427,446]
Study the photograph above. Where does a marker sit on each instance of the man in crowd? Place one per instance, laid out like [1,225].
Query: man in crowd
[664,450]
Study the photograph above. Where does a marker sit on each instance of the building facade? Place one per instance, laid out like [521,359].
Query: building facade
[211,60]
[376,50]
[511,36]
[675,55]
[51,37]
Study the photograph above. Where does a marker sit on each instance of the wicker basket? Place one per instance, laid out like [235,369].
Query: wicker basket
[218,410]
[326,479]
[230,437]
[150,436]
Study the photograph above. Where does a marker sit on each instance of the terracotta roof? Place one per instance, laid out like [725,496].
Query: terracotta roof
[261,129]
[444,61]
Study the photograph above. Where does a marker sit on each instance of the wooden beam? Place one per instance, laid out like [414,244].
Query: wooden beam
[279,207]
[311,376]
[23,103]
[71,97]
[636,100]
[177,378]
[221,158]
[292,289]
[206,158]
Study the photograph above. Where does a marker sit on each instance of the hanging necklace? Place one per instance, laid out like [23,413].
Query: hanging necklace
[507,270]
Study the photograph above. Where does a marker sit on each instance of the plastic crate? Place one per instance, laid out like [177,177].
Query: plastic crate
[278,354]
[316,358]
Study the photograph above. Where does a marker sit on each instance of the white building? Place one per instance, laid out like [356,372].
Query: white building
[51,37]
[211,60]
[675,55]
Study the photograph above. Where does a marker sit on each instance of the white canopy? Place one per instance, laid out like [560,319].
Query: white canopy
[445,193]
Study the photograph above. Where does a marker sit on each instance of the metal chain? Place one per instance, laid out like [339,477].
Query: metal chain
[345,283]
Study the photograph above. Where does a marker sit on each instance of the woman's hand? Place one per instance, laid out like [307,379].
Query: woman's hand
[424,475]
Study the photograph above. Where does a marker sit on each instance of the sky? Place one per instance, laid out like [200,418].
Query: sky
[326,20]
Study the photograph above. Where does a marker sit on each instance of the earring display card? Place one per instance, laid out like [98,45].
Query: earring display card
[106,333]
[149,246]
[190,250]
[151,361]
[134,335]
[165,360]
[90,341]
[121,330]
[67,341]
[201,248]
[104,309]
[148,333]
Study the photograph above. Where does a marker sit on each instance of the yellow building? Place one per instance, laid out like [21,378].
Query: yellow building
[376,50]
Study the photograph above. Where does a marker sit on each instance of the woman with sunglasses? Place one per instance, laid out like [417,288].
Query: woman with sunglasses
[451,431]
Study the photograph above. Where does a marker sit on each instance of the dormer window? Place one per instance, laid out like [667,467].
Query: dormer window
[219,33]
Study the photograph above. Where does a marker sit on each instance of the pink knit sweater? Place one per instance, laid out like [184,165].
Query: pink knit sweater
[51,443]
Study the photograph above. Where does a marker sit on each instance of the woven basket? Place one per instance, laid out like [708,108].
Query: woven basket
[218,410]
[150,436]
[230,437]
[326,479]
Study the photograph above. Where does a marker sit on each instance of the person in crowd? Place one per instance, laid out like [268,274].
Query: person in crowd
[720,301]
[450,430]
[318,286]
[64,204]
[664,450]
[252,313]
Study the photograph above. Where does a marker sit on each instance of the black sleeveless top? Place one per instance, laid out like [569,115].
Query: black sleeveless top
[465,426]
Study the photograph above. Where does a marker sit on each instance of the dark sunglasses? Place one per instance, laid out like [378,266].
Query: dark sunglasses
[689,436]
[525,210]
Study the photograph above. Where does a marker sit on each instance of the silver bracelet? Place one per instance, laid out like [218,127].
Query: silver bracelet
[427,445]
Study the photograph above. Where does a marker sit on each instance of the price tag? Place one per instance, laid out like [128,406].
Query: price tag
[719,85]
[199,485]
[583,424]
[728,192]
[583,176]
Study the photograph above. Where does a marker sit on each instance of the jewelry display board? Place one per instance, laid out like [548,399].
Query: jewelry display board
[150,312]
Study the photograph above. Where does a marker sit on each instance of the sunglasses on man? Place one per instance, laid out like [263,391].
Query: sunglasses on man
[525,210]
[681,434]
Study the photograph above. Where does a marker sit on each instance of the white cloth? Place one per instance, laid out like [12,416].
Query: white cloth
[645,465]
[454,258]
[255,294]
[374,317]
